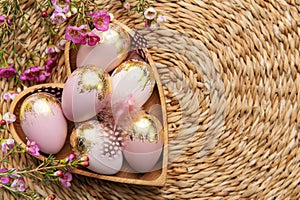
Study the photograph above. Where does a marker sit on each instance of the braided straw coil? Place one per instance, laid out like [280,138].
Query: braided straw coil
[230,74]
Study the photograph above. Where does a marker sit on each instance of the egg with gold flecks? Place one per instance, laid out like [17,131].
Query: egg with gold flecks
[112,49]
[101,144]
[85,93]
[42,121]
[143,144]
[133,83]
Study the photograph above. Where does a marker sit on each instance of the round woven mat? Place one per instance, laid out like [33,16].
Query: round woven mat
[231,76]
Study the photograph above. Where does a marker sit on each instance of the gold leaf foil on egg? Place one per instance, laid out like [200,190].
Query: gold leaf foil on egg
[146,75]
[84,137]
[145,128]
[88,80]
[115,35]
[38,103]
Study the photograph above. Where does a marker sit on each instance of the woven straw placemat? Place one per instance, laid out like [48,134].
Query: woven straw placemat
[231,76]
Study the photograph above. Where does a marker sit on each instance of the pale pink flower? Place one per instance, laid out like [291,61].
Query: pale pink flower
[74,34]
[9,117]
[7,144]
[2,18]
[61,44]
[18,184]
[52,49]
[66,179]
[91,39]
[101,19]
[61,6]
[10,95]
[4,179]
[161,19]
[32,148]
[58,17]
[150,13]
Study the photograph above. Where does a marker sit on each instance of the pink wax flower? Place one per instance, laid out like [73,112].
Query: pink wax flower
[4,179]
[91,39]
[2,18]
[18,184]
[150,13]
[49,65]
[32,148]
[61,44]
[6,145]
[101,19]
[61,6]
[58,17]
[52,49]
[9,117]
[7,72]
[10,95]
[74,34]
[41,77]
[66,179]
[70,157]
[34,73]
[3,170]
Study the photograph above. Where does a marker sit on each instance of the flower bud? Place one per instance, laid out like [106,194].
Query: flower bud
[2,122]
[71,157]
[2,18]
[58,173]
[126,5]
[44,14]
[85,163]
[84,158]
[51,197]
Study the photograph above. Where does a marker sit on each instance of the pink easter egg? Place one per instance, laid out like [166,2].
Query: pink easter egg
[42,121]
[101,144]
[109,52]
[142,155]
[143,146]
[85,93]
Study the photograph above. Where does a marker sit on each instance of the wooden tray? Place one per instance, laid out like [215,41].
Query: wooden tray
[157,177]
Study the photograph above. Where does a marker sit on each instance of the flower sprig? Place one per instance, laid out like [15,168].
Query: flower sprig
[13,57]
[53,14]
[152,18]
[50,170]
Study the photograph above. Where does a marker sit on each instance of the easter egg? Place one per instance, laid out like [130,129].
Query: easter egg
[85,93]
[143,144]
[133,83]
[109,52]
[101,144]
[42,121]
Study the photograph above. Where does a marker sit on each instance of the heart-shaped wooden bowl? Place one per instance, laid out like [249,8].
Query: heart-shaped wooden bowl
[157,177]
